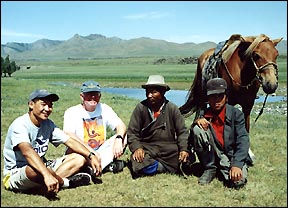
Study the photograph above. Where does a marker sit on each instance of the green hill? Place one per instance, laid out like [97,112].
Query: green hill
[96,46]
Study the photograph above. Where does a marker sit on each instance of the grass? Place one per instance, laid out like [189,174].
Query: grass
[267,180]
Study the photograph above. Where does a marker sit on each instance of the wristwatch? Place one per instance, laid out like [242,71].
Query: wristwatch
[90,154]
[119,137]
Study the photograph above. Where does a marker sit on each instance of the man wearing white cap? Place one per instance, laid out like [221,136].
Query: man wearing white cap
[157,136]
[26,168]
[220,139]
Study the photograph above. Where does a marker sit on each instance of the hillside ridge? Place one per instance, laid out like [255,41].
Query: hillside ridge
[99,46]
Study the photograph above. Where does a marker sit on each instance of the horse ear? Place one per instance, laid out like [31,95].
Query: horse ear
[276,41]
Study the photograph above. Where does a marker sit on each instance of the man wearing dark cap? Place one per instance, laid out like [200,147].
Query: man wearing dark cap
[25,167]
[90,120]
[157,136]
[220,139]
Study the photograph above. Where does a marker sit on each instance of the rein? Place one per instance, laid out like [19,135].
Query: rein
[261,111]
[257,77]
[262,68]
[237,83]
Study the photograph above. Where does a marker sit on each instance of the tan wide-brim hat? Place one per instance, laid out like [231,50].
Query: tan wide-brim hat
[156,81]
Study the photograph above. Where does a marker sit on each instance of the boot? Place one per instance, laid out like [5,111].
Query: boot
[236,185]
[207,161]
[207,176]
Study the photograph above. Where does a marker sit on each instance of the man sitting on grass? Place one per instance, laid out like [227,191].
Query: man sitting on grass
[157,136]
[89,121]
[25,167]
[220,139]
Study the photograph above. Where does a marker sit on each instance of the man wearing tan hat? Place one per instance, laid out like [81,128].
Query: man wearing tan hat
[156,134]
[220,139]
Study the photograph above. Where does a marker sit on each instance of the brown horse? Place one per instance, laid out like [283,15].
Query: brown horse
[245,63]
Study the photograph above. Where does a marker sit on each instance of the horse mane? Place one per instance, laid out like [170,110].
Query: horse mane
[235,40]
[230,50]
[231,45]
[255,42]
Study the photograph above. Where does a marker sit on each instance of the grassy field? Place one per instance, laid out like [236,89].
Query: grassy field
[267,180]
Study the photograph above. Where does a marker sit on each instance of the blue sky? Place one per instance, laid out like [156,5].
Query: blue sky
[179,22]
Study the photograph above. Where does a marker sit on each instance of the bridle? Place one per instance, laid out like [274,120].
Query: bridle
[262,68]
[258,73]
[257,77]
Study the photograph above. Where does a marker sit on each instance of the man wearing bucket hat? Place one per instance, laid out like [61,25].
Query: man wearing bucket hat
[26,168]
[90,120]
[220,139]
[157,136]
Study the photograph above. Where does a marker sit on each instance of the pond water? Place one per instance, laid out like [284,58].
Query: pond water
[176,96]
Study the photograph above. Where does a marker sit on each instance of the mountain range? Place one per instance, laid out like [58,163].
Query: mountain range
[96,46]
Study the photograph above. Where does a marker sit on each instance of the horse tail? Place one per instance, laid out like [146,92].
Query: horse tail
[192,103]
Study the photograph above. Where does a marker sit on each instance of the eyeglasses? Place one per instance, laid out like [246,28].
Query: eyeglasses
[91,95]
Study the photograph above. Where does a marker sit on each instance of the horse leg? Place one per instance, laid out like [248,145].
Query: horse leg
[251,155]
[246,111]
[247,122]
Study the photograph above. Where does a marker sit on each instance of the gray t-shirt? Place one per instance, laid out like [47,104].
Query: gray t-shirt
[23,130]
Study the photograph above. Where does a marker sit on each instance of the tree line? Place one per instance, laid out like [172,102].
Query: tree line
[8,67]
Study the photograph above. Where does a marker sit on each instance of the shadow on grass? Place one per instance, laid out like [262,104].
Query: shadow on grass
[49,196]
[194,169]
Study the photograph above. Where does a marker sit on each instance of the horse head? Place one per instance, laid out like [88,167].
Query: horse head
[263,55]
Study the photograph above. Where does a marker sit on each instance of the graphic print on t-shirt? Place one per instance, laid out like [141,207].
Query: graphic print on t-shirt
[94,132]
[40,145]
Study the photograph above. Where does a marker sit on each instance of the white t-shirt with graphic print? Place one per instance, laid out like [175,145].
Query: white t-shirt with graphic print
[91,126]
[23,130]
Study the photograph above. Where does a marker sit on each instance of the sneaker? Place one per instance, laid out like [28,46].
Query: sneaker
[95,179]
[207,177]
[79,179]
[116,166]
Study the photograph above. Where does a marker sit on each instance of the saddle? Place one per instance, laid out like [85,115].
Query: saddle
[222,52]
